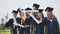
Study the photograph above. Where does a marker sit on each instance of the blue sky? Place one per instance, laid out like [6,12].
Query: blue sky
[6,6]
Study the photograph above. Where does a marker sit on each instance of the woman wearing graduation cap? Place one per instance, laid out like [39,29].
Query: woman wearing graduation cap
[40,25]
[27,20]
[51,22]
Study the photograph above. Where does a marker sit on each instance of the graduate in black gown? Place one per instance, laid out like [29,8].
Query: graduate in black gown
[40,26]
[34,7]
[10,23]
[51,22]
[27,21]
[20,20]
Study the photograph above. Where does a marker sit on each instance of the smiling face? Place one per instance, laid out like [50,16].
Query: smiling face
[49,14]
[39,15]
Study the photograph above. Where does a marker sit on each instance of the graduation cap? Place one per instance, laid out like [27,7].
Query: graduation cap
[40,10]
[18,10]
[36,5]
[14,11]
[28,8]
[49,9]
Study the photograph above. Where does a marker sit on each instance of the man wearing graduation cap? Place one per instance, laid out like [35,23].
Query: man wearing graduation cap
[34,7]
[51,22]
[39,26]
[10,23]
[27,20]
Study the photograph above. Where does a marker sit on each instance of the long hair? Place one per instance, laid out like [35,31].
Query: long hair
[42,15]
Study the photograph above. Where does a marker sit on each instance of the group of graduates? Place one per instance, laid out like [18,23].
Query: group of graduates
[34,23]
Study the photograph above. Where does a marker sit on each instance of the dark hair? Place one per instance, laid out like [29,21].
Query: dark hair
[42,15]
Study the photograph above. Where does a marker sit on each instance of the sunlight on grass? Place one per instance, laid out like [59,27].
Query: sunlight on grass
[5,32]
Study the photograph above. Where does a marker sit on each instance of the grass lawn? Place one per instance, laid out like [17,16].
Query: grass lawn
[5,32]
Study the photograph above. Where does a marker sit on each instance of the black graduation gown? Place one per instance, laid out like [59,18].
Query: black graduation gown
[32,26]
[53,27]
[10,24]
[20,29]
[27,22]
[40,28]
[14,30]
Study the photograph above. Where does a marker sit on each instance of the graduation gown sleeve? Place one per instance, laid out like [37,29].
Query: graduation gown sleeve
[9,23]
